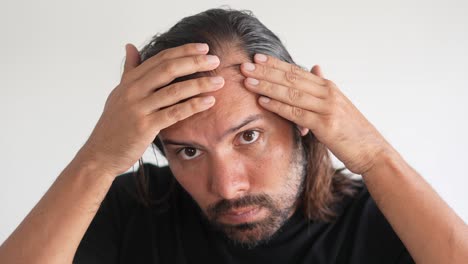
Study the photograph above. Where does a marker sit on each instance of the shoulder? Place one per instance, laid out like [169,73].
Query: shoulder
[370,220]
[373,238]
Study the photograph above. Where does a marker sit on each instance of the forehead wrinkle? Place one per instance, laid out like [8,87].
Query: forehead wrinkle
[233,98]
[233,73]
[234,67]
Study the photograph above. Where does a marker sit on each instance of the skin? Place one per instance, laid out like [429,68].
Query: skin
[215,163]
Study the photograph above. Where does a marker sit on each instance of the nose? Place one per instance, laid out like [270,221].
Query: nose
[228,178]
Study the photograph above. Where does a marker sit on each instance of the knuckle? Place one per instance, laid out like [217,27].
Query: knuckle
[290,77]
[332,104]
[194,105]
[294,94]
[170,68]
[126,96]
[164,54]
[328,90]
[131,86]
[175,113]
[135,114]
[332,92]
[196,60]
[264,71]
[203,84]
[329,83]
[267,87]
[173,90]
[297,112]
[127,77]
[295,69]
[275,63]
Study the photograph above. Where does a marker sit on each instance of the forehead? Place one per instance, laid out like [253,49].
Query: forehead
[234,103]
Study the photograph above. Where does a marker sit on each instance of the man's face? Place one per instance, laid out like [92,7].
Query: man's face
[238,161]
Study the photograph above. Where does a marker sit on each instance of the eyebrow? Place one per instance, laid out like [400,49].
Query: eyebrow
[229,131]
[242,124]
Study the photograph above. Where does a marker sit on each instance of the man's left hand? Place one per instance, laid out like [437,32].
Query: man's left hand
[316,103]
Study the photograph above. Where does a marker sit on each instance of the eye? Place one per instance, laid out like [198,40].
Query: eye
[188,153]
[249,136]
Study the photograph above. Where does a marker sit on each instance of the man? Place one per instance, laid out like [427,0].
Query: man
[247,181]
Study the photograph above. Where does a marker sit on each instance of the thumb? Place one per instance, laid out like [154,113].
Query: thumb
[317,71]
[132,58]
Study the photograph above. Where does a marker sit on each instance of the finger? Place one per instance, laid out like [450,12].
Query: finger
[177,92]
[166,72]
[317,71]
[278,64]
[132,58]
[288,79]
[283,80]
[297,115]
[190,49]
[287,95]
[171,115]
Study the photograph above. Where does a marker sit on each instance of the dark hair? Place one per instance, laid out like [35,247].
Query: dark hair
[227,29]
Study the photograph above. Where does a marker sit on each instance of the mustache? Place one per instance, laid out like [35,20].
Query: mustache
[221,207]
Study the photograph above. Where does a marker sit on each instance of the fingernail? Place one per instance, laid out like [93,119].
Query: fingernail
[202,47]
[261,57]
[252,81]
[264,99]
[249,66]
[212,59]
[208,100]
[217,80]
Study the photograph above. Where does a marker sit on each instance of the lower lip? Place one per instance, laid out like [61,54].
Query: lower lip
[246,216]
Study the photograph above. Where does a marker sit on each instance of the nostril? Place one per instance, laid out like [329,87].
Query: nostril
[229,189]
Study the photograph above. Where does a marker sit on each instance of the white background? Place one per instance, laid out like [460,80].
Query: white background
[403,63]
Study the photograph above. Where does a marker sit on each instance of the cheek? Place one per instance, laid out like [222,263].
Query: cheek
[269,168]
[194,181]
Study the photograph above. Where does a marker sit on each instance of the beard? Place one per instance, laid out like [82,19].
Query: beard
[279,207]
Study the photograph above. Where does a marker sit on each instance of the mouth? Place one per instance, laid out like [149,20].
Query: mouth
[242,215]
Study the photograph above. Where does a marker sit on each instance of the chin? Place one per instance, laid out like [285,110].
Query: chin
[249,235]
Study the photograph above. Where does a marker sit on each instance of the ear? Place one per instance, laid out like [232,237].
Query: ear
[303,130]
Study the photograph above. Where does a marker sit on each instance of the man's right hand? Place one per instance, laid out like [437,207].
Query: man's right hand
[142,105]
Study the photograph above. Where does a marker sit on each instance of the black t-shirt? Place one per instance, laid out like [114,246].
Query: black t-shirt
[174,231]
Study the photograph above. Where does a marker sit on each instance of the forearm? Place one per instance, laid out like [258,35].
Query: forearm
[53,229]
[429,228]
